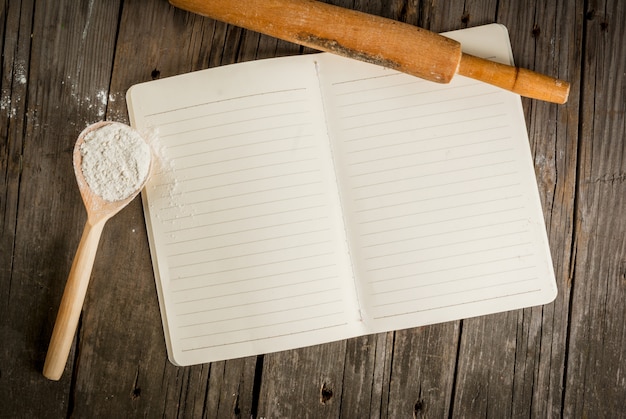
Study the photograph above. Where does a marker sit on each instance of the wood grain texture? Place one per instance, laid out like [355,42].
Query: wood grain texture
[340,30]
[67,64]
[46,113]
[595,384]
[25,290]
[122,339]
[533,341]
[553,132]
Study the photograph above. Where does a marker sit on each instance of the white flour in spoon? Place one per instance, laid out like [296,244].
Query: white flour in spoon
[115,161]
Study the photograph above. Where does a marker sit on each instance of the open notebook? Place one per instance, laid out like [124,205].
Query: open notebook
[308,199]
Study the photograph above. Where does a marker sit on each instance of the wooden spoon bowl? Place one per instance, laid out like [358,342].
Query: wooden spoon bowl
[97,207]
[99,211]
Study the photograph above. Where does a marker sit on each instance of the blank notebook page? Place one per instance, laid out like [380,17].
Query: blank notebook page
[307,199]
[439,192]
[246,229]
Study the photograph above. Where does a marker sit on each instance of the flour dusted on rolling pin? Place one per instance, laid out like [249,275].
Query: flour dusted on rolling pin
[115,161]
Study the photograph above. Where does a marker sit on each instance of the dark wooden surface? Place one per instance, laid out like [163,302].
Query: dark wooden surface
[66,64]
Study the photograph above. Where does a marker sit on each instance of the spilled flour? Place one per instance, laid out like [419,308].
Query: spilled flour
[115,161]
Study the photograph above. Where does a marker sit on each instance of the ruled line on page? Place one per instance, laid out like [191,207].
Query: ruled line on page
[282,286]
[430,186]
[445,294]
[402,96]
[169,184]
[247,144]
[443,160]
[219,101]
[412,129]
[368,79]
[204,223]
[175,184]
[261,313]
[260,191]
[294,296]
[235,122]
[432,198]
[449,113]
[472,240]
[245,255]
[267,239]
[442,233]
[435,210]
[230,135]
[205,311]
[251,216]
[336,311]
[428,174]
[420,139]
[243,158]
[241,182]
[374,88]
[246,230]
[252,278]
[417,105]
[257,265]
[437,282]
[217,317]
[275,336]
[456,170]
[442,220]
[205,115]
[459,304]
[208,283]
[430,150]
[227,209]
[206,315]
[257,327]
[450,256]
[238,196]
[178,171]
[487,262]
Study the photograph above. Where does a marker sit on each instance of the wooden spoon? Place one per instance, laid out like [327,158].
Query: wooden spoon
[98,213]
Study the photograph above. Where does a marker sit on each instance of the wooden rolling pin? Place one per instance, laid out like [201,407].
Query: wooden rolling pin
[374,39]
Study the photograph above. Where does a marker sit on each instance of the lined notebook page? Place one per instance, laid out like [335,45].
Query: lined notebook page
[439,193]
[246,234]
[308,199]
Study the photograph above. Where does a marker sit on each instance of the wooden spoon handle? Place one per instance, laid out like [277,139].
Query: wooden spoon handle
[72,301]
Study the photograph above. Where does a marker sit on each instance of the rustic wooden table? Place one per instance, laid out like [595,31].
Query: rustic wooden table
[66,64]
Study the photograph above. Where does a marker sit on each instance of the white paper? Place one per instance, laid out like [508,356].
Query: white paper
[308,199]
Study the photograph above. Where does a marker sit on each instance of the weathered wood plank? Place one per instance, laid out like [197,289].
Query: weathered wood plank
[595,384]
[442,16]
[25,268]
[423,371]
[121,336]
[552,48]
[503,358]
[48,44]
[366,376]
